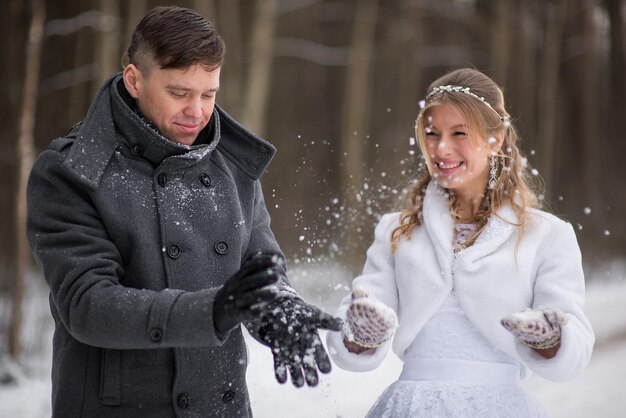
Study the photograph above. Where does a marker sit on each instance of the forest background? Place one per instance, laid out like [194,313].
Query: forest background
[335,86]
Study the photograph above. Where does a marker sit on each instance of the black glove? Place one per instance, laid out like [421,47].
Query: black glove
[289,328]
[246,294]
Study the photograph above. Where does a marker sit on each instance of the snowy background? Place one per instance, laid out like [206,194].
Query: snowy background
[598,392]
[560,68]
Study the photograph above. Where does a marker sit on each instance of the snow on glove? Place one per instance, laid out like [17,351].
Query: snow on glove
[369,323]
[537,328]
[290,328]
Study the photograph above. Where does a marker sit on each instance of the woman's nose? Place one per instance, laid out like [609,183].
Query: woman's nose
[443,146]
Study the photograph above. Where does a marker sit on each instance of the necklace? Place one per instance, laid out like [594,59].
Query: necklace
[462,232]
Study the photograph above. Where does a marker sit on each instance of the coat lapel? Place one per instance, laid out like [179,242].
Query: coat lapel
[439,225]
[497,232]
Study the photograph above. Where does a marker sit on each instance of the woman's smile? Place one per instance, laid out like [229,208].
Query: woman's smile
[448,167]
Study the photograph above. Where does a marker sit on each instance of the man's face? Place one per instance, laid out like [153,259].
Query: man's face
[179,102]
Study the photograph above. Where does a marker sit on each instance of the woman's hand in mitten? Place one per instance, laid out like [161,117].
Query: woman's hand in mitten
[538,328]
[369,322]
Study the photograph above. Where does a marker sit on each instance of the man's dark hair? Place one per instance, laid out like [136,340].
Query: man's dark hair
[175,38]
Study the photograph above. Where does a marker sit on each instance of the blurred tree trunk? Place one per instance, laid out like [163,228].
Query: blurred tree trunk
[136,11]
[409,89]
[593,145]
[83,56]
[616,107]
[108,57]
[501,40]
[260,68]
[524,79]
[616,58]
[14,21]
[554,25]
[25,162]
[206,8]
[228,25]
[355,124]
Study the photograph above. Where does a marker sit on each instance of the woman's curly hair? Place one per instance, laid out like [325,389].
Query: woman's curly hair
[515,184]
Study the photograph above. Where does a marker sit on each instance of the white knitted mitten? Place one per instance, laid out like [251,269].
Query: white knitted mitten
[537,328]
[369,322]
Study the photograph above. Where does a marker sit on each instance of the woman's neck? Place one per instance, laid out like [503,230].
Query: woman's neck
[467,206]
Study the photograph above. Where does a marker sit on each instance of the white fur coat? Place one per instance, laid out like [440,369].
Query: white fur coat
[495,277]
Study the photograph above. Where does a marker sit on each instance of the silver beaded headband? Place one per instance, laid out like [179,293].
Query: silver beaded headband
[460,89]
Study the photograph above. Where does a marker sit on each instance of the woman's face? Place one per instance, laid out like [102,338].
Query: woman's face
[457,158]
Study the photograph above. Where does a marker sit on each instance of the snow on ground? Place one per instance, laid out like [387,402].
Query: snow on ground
[598,392]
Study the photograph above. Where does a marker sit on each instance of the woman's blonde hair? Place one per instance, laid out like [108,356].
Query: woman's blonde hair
[482,107]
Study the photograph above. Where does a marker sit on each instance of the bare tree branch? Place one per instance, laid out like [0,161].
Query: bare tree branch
[259,77]
[312,51]
[90,19]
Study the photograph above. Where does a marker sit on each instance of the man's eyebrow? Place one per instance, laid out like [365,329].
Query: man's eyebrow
[177,87]
[183,88]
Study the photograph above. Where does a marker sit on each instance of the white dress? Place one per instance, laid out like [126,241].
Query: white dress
[451,370]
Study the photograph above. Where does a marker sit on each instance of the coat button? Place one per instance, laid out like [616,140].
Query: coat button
[183,400]
[162,179]
[205,179]
[173,251]
[228,396]
[136,149]
[221,247]
[156,334]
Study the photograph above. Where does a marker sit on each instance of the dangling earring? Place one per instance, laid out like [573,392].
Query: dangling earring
[493,171]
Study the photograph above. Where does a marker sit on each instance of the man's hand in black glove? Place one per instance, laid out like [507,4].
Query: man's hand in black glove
[289,328]
[247,293]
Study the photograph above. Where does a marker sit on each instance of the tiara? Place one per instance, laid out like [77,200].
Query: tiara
[461,89]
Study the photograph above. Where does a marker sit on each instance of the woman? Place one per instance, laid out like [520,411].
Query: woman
[472,285]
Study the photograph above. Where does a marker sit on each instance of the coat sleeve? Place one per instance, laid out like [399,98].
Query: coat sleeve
[560,283]
[379,279]
[83,268]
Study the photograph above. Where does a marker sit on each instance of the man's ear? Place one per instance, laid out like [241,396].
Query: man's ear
[132,80]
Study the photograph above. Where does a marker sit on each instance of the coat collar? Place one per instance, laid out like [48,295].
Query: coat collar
[439,226]
[97,138]
[137,131]
[249,152]
[95,141]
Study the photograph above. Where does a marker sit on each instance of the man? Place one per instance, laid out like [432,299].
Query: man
[150,226]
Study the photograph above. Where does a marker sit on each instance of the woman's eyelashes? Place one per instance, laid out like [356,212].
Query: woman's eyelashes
[432,132]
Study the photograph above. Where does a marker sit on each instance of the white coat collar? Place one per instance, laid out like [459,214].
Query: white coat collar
[439,226]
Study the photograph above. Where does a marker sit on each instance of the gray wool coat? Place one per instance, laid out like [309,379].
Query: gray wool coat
[135,234]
